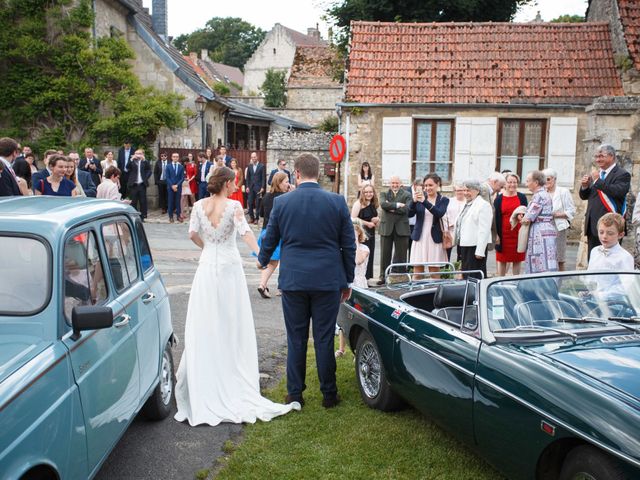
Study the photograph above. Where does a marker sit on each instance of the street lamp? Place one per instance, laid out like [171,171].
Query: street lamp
[201,105]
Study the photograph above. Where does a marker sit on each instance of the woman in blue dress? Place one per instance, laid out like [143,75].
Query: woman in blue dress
[57,184]
[279,186]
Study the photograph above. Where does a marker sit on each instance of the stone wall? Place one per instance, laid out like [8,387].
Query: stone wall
[276,51]
[310,116]
[110,14]
[314,97]
[289,145]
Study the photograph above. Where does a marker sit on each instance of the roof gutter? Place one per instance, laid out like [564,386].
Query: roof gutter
[463,105]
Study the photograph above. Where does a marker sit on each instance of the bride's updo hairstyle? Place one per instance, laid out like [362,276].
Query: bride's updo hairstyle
[220,176]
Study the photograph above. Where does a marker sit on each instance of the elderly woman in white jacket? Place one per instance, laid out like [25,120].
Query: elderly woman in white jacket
[473,228]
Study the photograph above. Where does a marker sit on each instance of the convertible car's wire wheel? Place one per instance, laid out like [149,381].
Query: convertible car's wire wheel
[372,380]
[589,463]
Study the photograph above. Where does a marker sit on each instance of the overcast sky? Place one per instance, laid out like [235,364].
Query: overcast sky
[186,16]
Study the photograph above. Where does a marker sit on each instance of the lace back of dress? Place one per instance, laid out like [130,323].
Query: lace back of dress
[232,220]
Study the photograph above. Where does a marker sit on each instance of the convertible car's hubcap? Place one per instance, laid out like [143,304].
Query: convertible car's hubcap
[166,382]
[369,367]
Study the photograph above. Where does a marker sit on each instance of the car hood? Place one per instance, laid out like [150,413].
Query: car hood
[613,360]
[16,350]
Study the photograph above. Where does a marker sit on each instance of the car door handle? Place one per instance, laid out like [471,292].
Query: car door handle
[147,297]
[122,320]
[407,328]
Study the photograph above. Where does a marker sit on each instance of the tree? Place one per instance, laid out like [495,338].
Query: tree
[229,40]
[274,88]
[569,19]
[62,89]
[342,12]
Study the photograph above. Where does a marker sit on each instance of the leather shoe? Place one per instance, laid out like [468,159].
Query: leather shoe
[291,399]
[380,282]
[330,402]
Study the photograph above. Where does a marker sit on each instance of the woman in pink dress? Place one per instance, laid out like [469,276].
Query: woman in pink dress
[507,242]
[429,207]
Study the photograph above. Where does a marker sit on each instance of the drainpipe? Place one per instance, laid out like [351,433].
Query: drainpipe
[346,158]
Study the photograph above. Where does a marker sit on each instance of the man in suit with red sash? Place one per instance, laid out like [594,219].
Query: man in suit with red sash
[605,191]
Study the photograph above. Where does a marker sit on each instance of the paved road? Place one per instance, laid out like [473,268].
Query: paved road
[168,449]
[171,450]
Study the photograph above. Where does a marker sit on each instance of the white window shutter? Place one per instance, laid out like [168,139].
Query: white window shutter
[475,147]
[563,133]
[396,148]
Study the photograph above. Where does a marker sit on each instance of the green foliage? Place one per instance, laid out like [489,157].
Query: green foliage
[60,90]
[623,62]
[329,124]
[343,12]
[221,89]
[569,19]
[229,40]
[274,88]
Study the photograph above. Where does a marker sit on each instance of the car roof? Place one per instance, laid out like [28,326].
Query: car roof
[47,215]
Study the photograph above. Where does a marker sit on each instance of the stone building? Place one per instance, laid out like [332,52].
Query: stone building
[466,99]
[312,88]
[161,65]
[231,77]
[276,51]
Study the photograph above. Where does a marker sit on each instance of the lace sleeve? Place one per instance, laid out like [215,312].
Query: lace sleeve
[194,223]
[239,220]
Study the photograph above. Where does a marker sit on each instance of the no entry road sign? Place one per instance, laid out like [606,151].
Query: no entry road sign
[337,148]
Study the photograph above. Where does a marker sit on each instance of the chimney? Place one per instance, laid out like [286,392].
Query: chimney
[159,18]
[204,54]
[313,32]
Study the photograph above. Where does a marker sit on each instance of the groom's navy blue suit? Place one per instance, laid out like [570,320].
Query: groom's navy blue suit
[317,261]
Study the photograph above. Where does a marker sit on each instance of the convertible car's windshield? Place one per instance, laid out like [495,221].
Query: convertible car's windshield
[564,303]
[26,275]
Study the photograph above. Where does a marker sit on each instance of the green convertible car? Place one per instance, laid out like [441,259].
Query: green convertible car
[540,374]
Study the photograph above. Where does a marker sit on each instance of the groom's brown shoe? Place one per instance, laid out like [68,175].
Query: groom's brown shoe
[291,399]
[330,402]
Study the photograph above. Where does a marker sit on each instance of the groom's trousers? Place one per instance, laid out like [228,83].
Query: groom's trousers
[321,308]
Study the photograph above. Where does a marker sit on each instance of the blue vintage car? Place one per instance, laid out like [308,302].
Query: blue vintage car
[540,374]
[85,334]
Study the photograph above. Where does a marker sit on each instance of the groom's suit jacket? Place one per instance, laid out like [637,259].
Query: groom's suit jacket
[318,244]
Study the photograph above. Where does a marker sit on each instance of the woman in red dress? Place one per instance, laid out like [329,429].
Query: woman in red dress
[507,242]
[239,182]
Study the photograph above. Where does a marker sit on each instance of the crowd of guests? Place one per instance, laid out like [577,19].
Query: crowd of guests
[418,224]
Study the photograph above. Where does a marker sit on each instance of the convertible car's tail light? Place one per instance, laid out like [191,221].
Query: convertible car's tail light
[548,428]
[357,306]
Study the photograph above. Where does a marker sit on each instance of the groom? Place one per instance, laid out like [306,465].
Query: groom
[317,260]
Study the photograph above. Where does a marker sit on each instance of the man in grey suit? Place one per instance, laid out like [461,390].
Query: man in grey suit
[394,225]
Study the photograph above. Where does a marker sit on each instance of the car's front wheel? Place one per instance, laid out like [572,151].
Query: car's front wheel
[589,463]
[158,405]
[372,380]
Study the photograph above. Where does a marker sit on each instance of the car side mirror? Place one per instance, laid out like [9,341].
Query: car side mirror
[90,318]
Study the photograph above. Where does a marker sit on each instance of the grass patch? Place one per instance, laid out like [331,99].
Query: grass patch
[202,474]
[349,441]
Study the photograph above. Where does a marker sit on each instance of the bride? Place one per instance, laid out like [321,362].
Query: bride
[218,377]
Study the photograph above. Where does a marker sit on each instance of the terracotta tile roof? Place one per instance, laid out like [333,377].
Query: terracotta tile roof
[313,67]
[538,63]
[630,17]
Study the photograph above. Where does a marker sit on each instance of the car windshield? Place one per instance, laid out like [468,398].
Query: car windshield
[564,304]
[25,282]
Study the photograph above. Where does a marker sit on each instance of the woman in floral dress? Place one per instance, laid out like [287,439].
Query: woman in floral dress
[541,247]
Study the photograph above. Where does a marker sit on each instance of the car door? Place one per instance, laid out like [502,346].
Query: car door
[435,362]
[104,361]
[134,294]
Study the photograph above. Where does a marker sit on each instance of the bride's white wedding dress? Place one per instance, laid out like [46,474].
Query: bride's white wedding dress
[218,377]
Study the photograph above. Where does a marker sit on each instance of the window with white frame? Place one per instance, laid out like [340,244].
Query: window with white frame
[521,145]
[432,148]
